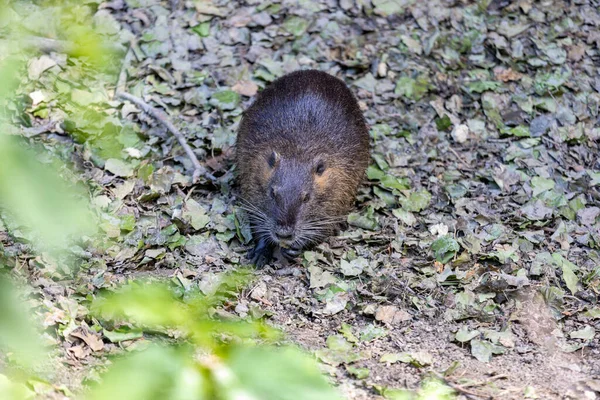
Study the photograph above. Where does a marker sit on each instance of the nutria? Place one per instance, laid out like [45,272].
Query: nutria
[302,150]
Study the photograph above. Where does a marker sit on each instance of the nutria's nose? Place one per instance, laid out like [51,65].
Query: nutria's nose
[284,232]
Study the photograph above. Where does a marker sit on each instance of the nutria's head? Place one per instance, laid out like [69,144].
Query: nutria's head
[294,202]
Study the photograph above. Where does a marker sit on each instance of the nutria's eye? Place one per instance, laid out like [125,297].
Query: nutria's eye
[272,192]
[273,159]
[305,197]
[320,168]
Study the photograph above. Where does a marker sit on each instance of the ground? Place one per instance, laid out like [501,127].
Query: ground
[473,250]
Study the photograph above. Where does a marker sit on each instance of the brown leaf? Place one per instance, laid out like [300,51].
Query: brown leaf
[439,267]
[392,315]
[54,316]
[576,52]
[93,340]
[245,88]
[506,75]
[78,351]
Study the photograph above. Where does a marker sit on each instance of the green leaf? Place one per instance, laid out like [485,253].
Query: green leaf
[406,217]
[359,373]
[481,350]
[391,358]
[346,331]
[338,343]
[225,99]
[338,351]
[595,176]
[444,248]
[122,334]
[388,198]
[367,221]
[155,373]
[202,29]
[414,89]
[592,313]
[372,332]
[482,86]
[568,269]
[549,81]
[518,131]
[85,98]
[17,333]
[586,333]
[386,8]
[418,359]
[118,167]
[13,390]
[456,190]
[443,124]
[195,214]
[295,25]
[127,222]
[264,371]
[540,185]
[463,335]
[354,267]
[391,182]
[374,173]
[50,208]
[416,201]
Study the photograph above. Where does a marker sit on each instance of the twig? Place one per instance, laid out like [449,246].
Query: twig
[38,130]
[47,45]
[468,393]
[459,157]
[164,119]
[122,81]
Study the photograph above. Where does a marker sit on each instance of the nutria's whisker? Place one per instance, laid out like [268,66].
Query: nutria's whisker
[255,211]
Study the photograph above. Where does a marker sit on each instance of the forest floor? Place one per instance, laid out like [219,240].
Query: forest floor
[473,253]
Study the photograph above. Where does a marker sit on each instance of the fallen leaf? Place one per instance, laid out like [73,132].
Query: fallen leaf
[93,340]
[507,75]
[245,88]
[118,167]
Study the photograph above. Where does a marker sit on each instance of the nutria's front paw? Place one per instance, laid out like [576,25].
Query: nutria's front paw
[261,254]
[290,253]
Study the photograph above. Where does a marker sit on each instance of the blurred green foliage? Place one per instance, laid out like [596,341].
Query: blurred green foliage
[221,359]
[39,200]
[17,335]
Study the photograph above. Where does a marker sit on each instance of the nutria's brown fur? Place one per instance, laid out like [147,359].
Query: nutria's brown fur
[302,150]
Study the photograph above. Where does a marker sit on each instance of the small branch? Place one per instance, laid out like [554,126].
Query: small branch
[458,156]
[164,119]
[38,130]
[461,389]
[46,45]
[122,81]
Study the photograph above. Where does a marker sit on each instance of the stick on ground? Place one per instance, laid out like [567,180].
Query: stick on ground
[122,81]
[164,119]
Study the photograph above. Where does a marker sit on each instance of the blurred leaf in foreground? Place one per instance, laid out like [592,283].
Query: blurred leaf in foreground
[17,336]
[38,199]
[279,374]
[154,374]
[14,391]
[217,368]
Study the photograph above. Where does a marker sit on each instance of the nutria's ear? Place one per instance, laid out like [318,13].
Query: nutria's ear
[274,159]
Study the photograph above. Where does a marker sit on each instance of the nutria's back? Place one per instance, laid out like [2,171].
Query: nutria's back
[302,150]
